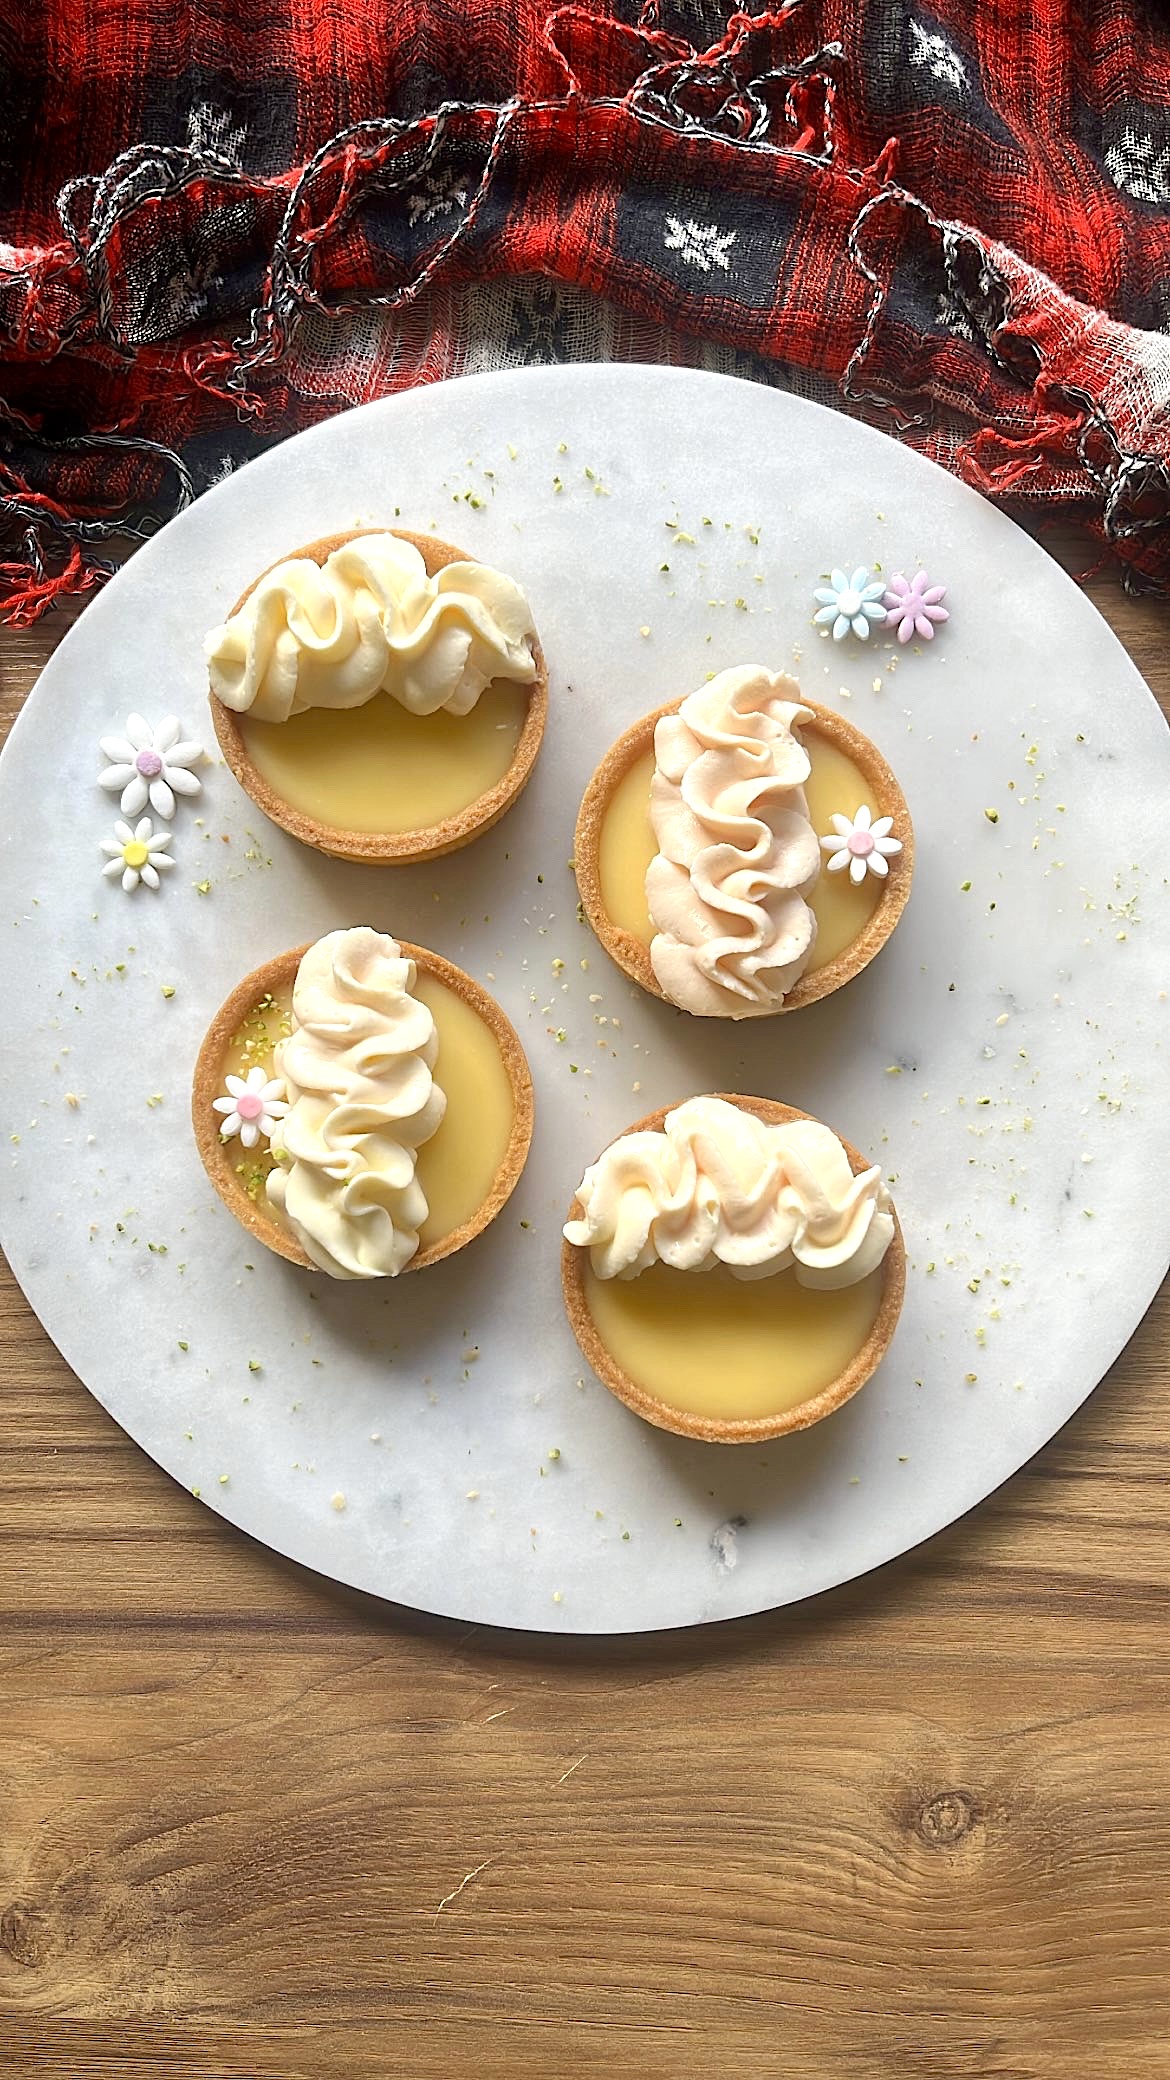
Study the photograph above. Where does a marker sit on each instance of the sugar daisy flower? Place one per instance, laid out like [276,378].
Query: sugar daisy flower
[914,605]
[851,603]
[252,1106]
[137,855]
[860,844]
[150,764]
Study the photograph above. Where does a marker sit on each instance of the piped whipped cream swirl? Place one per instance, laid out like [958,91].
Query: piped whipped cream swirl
[718,1186]
[369,620]
[362,1100]
[737,855]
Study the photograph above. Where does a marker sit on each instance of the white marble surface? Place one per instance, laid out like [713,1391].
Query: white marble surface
[1005,1057]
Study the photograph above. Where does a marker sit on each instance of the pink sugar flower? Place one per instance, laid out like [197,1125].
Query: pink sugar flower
[914,606]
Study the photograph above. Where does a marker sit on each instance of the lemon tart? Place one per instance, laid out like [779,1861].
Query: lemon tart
[362,1106]
[732,1270]
[380,695]
[743,851]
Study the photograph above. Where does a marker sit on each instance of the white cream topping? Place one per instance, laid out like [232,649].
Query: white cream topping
[718,1186]
[370,620]
[362,1100]
[737,854]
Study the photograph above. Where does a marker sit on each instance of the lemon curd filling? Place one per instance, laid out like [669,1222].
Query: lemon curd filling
[459,1164]
[380,768]
[835,786]
[709,1344]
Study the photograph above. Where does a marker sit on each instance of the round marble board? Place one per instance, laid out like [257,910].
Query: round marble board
[438,1440]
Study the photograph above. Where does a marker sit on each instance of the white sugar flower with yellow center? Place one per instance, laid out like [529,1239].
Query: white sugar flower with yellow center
[253,1105]
[860,844]
[150,764]
[137,855]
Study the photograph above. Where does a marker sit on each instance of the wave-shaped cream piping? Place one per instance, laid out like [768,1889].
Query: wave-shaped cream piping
[357,1065]
[718,1186]
[370,620]
[737,854]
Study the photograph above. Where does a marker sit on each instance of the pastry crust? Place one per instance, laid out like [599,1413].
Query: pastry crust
[752,1429]
[633,955]
[278,975]
[386,848]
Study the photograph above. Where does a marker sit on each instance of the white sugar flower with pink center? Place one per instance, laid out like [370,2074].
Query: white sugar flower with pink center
[862,845]
[253,1105]
[137,855]
[150,765]
[914,605]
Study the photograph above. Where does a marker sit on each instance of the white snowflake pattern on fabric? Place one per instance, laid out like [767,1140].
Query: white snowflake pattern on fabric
[933,54]
[949,312]
[1138,166]
[210,130]
[438,195]
[701,245]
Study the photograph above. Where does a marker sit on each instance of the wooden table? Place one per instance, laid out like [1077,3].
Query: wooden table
[253,1825]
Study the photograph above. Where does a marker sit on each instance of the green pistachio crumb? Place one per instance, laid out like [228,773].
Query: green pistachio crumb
[168,989]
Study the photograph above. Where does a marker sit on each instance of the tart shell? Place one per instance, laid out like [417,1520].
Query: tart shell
[728,1430]
[632,954]
[387,848]
[219,1156]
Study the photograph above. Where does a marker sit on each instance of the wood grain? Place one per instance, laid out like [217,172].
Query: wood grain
[251,1825]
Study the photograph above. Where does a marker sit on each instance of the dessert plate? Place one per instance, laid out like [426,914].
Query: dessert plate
[436,1440]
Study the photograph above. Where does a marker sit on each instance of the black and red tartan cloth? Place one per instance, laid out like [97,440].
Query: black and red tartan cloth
[220,222]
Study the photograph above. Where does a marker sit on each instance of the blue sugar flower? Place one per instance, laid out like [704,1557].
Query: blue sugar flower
[851,603]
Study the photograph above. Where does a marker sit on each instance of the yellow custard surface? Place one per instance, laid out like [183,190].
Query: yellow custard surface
[712,1345]
[458,1165]
[835,786]
[380,768]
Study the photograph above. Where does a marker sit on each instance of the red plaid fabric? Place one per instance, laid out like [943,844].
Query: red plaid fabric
[219,227]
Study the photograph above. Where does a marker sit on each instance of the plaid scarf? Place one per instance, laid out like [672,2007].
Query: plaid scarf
[952,220]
